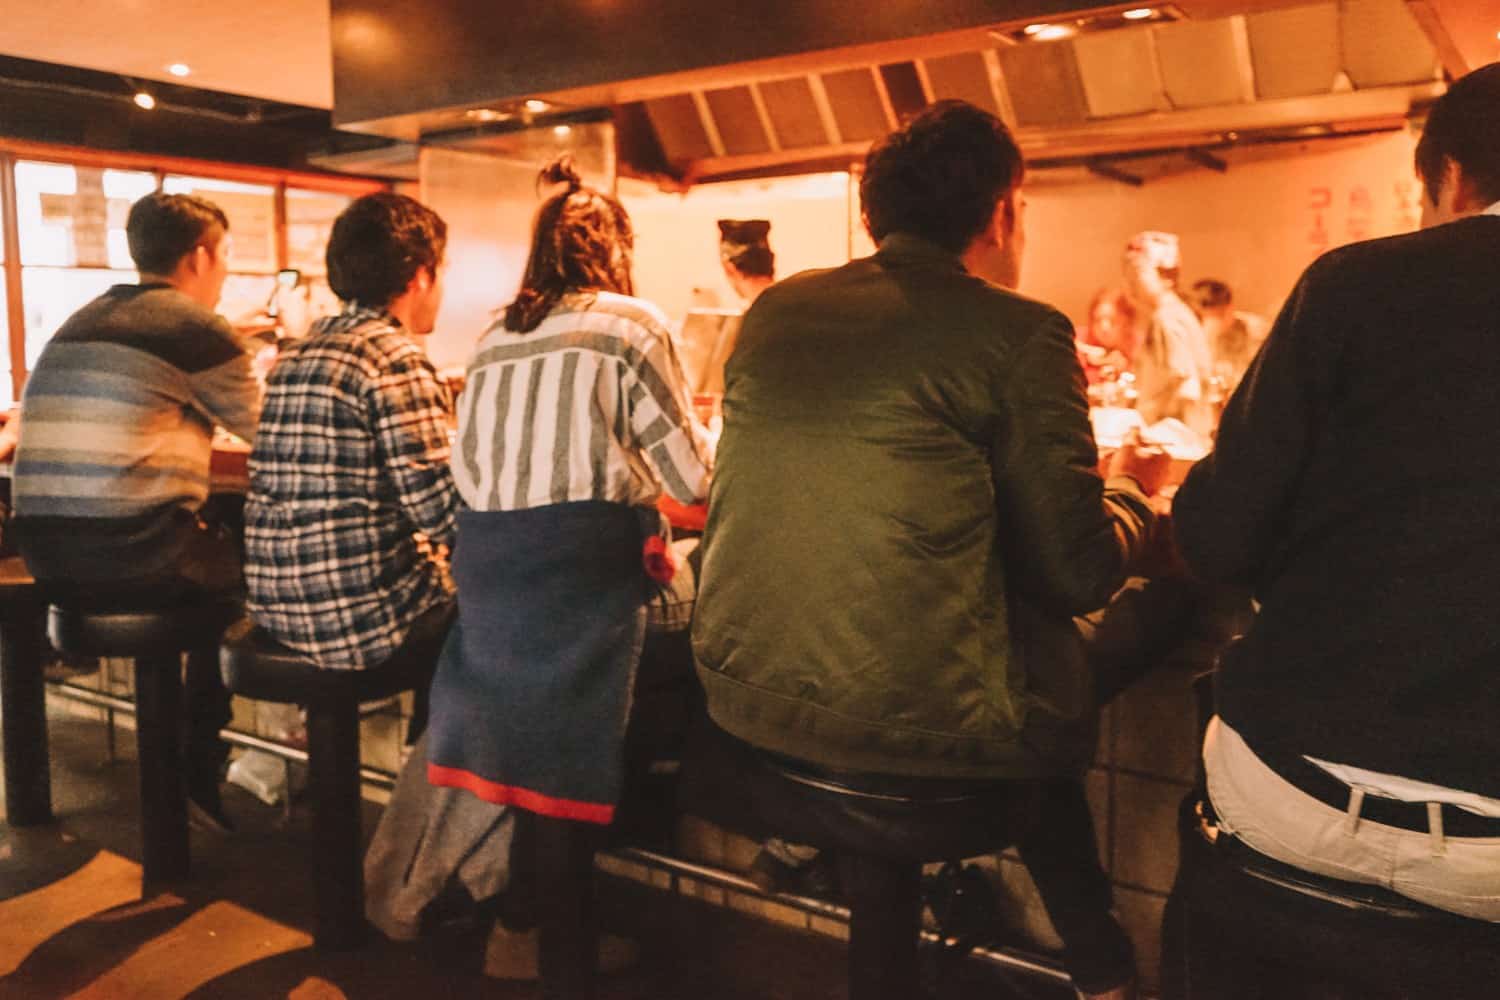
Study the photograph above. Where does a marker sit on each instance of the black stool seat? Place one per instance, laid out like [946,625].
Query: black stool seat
[153,628]
[139,627]
[257,666]
[880,815]
[1242,926]
[883,828]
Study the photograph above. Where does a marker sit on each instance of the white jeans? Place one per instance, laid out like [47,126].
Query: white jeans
[1274,817]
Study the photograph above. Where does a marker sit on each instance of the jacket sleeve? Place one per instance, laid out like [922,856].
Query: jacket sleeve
[1229,515]
[1068,536]
[410,410]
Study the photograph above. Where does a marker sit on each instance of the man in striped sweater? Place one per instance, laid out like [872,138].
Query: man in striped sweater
[118,417]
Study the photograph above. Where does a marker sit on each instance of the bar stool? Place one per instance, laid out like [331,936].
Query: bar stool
[883,827]
[23,700]
[1242,926]
[154,636]
[256,666]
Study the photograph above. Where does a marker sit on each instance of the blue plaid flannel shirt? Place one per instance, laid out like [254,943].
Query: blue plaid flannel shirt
[350,492]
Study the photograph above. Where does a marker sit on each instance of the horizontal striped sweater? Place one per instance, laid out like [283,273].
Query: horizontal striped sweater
[117,423]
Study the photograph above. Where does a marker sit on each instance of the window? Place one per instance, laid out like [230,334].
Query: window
[72,235]
[70,229]
[251,209]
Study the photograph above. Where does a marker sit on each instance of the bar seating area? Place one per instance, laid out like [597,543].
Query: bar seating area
[256,666]
[645,500]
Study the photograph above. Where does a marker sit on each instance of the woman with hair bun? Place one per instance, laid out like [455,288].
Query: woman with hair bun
[745,252]
[574,419]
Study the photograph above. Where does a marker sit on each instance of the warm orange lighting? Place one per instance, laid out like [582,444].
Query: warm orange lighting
[179,69]
[535,105]
[562,131]
[1051,32]
[1138,13]
[144,101]
[1035,29]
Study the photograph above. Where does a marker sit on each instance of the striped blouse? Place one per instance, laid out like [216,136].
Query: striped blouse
[591,405]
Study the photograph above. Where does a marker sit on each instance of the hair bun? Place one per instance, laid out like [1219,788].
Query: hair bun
[562,171]
[746,231]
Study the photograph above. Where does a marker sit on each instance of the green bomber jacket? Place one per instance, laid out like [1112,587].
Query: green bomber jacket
[905,518]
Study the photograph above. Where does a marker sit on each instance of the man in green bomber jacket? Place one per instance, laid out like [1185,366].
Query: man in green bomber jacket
[906,516]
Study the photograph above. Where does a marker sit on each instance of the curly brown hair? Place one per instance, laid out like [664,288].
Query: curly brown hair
[582,242]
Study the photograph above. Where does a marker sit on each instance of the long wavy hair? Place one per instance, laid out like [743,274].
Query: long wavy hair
[582,242]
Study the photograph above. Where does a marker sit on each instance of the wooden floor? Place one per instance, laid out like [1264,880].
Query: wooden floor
[73,923]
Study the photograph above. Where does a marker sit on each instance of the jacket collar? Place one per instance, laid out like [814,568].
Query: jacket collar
[910,247]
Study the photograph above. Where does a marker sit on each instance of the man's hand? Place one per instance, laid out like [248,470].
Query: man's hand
[1148,465]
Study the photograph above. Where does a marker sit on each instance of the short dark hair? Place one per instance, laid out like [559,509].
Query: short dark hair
[1464,126]
[379,243]
[1212,293]
[163,228]
[940,176]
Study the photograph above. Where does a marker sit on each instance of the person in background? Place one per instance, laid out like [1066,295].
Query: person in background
[745,252]
[1173,364]
[1353,486]
[352,504]
[1233,336]
[111,472]
[575,417]
[906,518]
[1107,345]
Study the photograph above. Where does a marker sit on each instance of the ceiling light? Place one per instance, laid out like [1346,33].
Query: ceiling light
[485,115]
[561,131]
[144,100]
[1138,13]
[179,69]
[535,105]
[1051,32]
[1035,29]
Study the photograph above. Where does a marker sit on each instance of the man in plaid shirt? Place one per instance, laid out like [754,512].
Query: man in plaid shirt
[351,507]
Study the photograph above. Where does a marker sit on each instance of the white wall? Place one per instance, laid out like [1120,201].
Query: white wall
[677,235]
[1255,227]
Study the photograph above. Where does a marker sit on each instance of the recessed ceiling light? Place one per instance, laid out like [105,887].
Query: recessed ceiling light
[144,100]
[179,69]
[535,105]
[1138,13]
[561,130]
[485,115]
[1052,32]
[1035,29]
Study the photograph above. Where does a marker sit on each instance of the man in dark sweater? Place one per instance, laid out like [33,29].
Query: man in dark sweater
[1356,487]
[118,418]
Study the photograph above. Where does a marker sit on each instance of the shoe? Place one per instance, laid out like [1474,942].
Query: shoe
[209,817]
[770,874]
[512,955]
